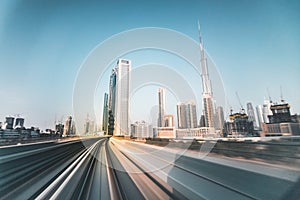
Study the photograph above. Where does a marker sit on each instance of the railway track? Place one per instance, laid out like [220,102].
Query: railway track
[101,168]
[214,180]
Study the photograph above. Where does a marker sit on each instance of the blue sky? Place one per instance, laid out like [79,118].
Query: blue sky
[255,45]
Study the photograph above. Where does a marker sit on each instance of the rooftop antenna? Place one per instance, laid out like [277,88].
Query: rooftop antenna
[269,95]
[281,96]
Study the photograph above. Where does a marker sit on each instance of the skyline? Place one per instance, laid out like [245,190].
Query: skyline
[42,49]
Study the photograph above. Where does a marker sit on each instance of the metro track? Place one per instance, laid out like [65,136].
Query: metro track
[185,170]
[100,168]
[69,170]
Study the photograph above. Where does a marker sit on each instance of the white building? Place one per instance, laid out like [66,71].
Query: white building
[168,131]
[260,118]
[122,124]
[142,130]
[266,110]
[196,133]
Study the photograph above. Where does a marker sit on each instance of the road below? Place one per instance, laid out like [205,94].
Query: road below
[108,168]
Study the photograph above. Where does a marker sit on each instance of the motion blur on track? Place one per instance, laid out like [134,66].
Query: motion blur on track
[109,168]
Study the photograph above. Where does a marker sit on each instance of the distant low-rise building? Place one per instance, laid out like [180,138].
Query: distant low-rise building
[196,133]
[166,132]
[141,130]
[169,130]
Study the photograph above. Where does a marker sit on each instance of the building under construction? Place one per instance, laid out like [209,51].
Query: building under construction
[239,125]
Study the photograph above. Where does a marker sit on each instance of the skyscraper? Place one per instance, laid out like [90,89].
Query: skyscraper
[19,122]
[122,124]
[112,102]
[69,127]
[259,113]
[251,114]
[181,115]
[207,95]
[105,114]
[186,115]
[168,121]
[266,110]
[161,107]
[219,118]
[192,115]
[112,91]
[9,122]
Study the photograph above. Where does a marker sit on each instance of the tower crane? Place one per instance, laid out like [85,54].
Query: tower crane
[238,97]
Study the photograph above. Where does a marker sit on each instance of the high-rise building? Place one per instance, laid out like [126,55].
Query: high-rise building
[186,115]
[161,106]
[260,118]
[181,115]
[219,119]
[9,122]
[112,102]
[266,110]
[19,122]
[69,127]
[168,121]
[92,127]
[207,95]
[59,128]
[112,91]
[251,114]
[122,124]
[87,125]
[105,114]
[202,121]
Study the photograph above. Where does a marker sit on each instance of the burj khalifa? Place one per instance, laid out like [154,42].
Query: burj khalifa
[207,94]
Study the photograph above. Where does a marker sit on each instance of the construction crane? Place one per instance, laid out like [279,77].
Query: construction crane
[238,97]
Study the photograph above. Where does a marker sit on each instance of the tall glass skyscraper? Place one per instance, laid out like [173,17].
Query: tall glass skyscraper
[105,114]
[112,91]
[112,102]
[122,107]
[161,106]
[251,114]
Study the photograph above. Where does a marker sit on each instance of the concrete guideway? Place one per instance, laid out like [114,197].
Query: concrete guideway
[108,168]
